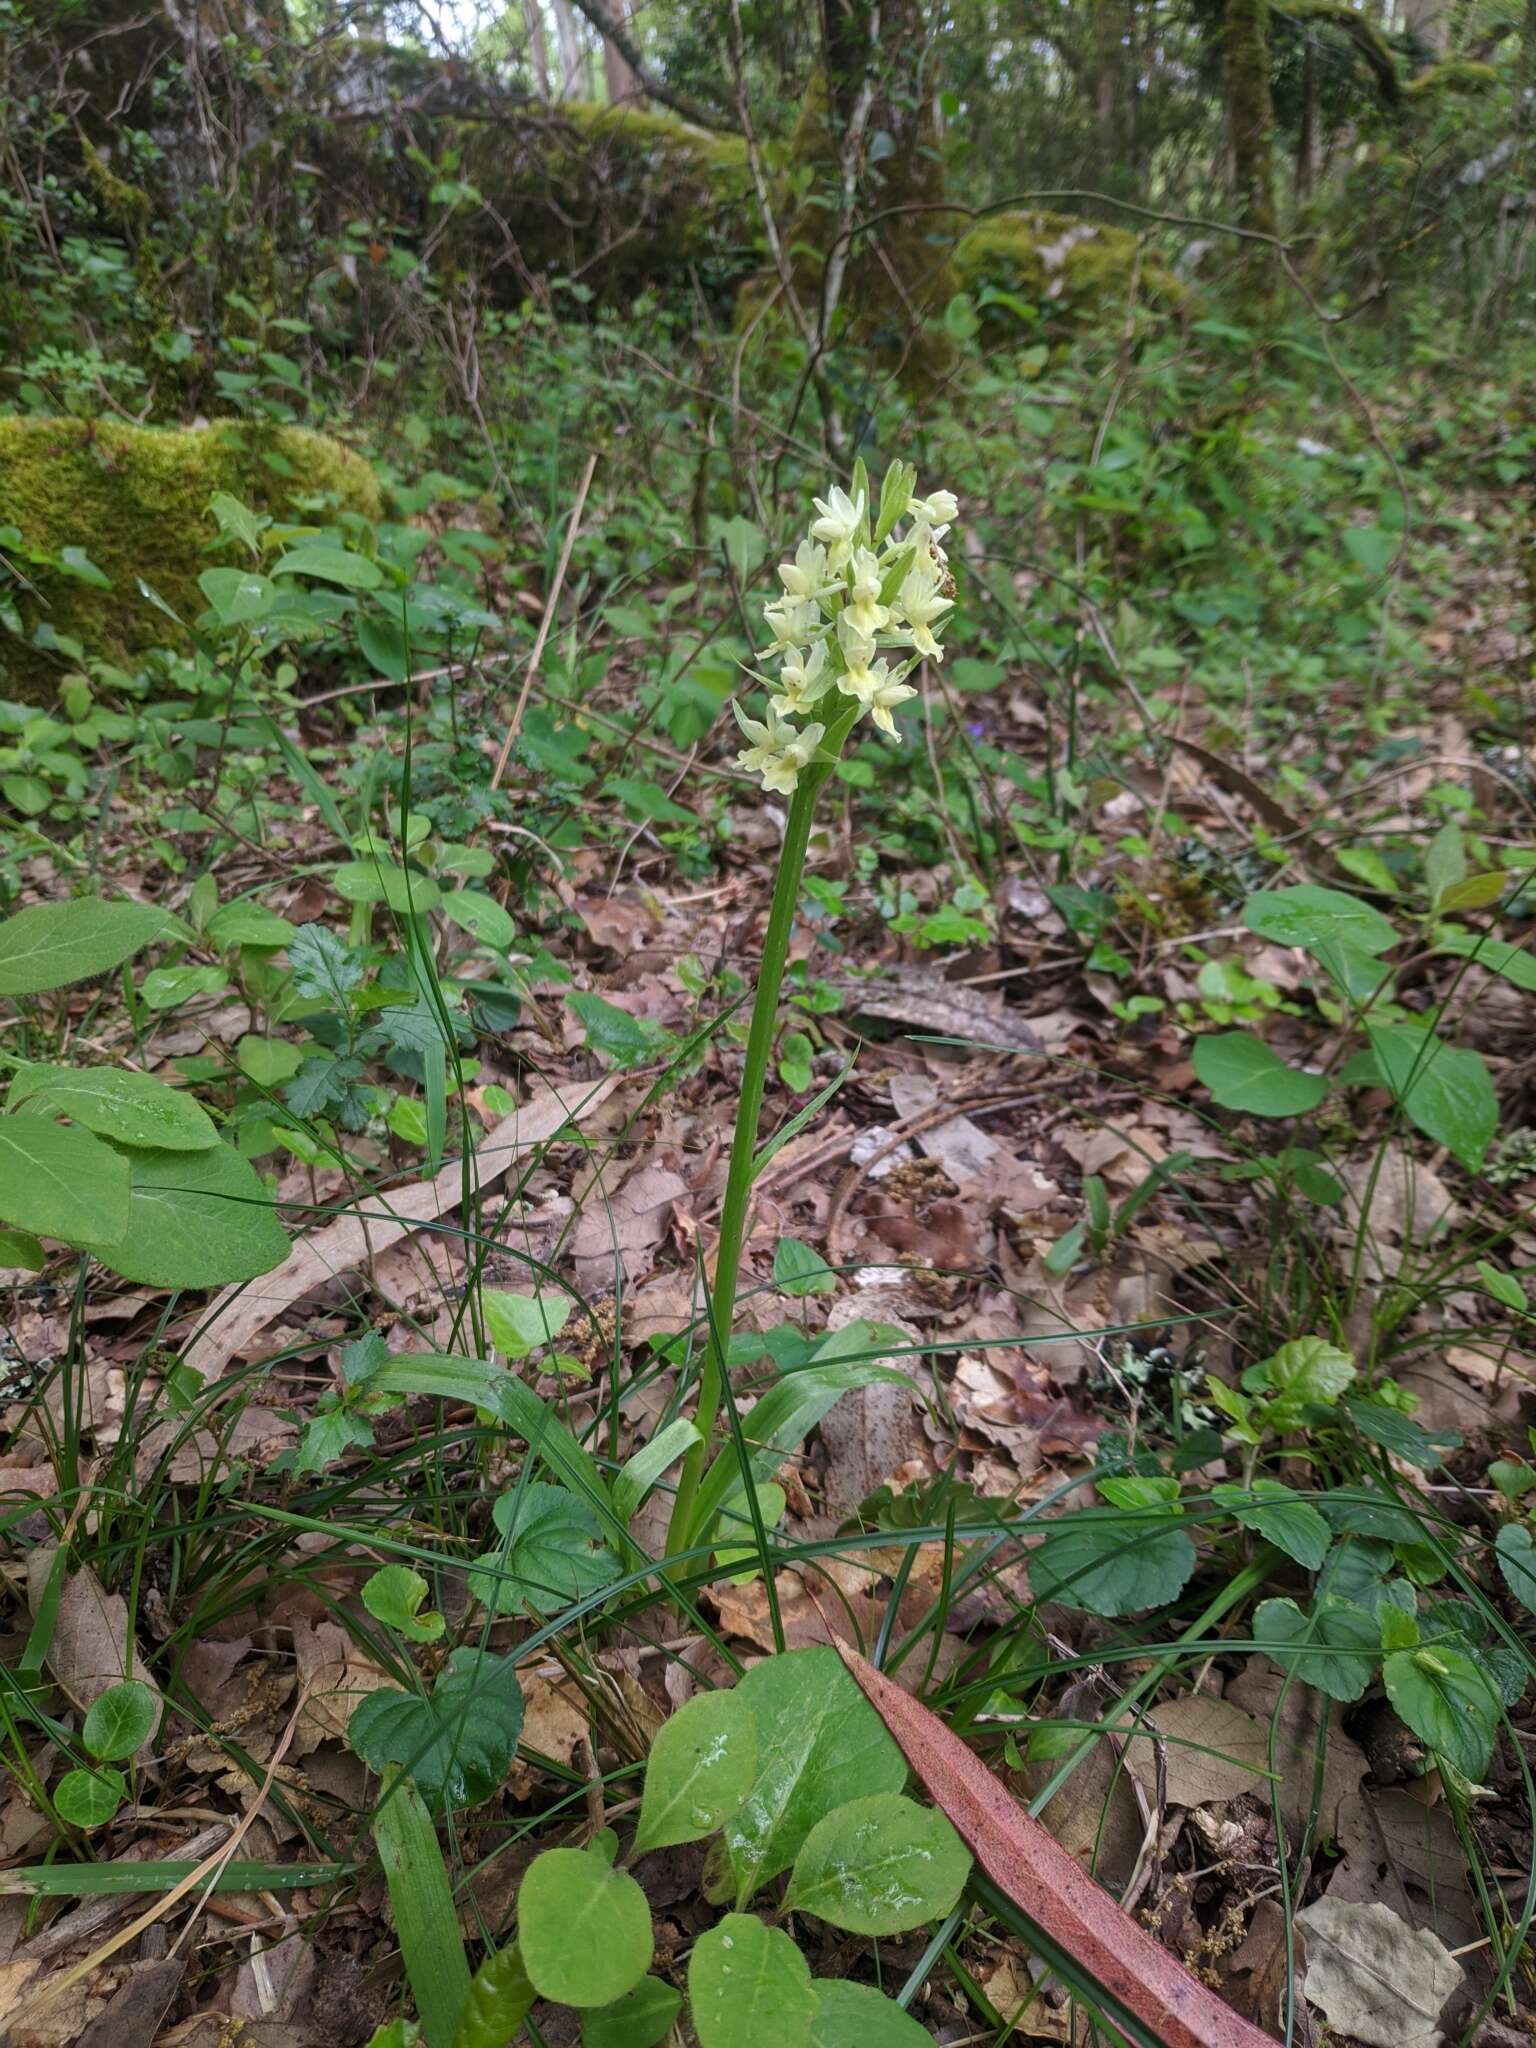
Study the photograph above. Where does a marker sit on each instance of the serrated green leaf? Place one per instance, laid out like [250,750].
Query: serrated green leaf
[62,1183]
[700,1770]
[858,2016]
[1448,1702]
[750,1987]
[121,1720]
[553,1553]
[640,2019]
[584,1929]
[1334,1648]
[819,1742]
[1274,1512]
[1444,1090]
[882,1865]
[458,1745]
[1113,1564]
[394,1595]
[115,1102]
[1243,1074]
[53,945]
[195,1219]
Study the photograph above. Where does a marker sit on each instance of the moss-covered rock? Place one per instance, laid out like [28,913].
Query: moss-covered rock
[135,500]
[1068,268]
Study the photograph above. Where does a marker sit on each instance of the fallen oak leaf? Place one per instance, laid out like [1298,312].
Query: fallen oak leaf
[1148,1992]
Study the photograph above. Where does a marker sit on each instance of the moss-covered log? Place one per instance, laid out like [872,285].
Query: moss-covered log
[135,499]
[1070,269]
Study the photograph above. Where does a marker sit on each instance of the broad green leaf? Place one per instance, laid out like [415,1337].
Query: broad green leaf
[641,1472]
[1275,1513]
[750,1987]
[1517,964]
[74,561]
[88,1799]
[1445,862]
[482,917]
[1504,1287]
[238,595]
[1113,1564]
[398,2033]
[459,1744]
[330,565]
[1474,892]
[163,988]
[858,2016]
[552,1555]
[384,644]
[1311,916]
[1517,1562]
[882,1865]
[628,1041]
[501,1996]
[268,1061]
[584,1929]
[700,1770]
[1306,1369]
[63,1183]
[1448,1702]
[640,2019]
[366,881]
[1367,865]
[819,1742]
[20,1252]
[53,945]
[520,1323]
[115,1102]
[798,1270]
[1400,1434]
[1445,1090]
[1243,1074]
[121,1720]
[248,924]
[195,1219]
[394,1595]
[1335,1647]
[1371,548]
[238,520]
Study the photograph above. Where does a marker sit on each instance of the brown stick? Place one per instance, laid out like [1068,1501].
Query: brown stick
[1050,1887]
[545,623]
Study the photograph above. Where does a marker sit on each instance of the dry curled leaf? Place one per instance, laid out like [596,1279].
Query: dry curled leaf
[1375,1977]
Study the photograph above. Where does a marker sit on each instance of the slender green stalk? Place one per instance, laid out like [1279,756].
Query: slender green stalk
[739,1178]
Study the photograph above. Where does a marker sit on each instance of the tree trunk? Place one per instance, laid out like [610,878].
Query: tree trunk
[1306,127]
[572,57]
[1429,22]
[1250,112]
[538,49]
[623,81]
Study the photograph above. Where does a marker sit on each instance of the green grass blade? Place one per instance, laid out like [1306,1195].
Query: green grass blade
[422,1899]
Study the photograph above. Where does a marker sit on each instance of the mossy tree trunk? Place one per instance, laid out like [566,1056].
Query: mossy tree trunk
[1250,132]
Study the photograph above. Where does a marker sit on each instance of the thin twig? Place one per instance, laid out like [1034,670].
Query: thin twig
[551,604]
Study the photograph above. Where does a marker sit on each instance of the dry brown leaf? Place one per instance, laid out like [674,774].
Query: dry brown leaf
[90,1649]
[620,1228]
[64,2019]
[334,1675]
[232,1325]
[133,2017]
[1259,1689]
[1406,1854]
[555,1718]
[252,1436]
[1258,1974]
[1212,1752]
[1374,1977]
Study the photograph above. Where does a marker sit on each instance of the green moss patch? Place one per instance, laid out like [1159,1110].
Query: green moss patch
[135,500]
[1063,265]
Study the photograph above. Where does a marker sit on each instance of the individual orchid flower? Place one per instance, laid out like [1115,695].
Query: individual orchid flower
[922,601]
[858,647]
[791,620]
[802,680]
[806,575]
[841,518]
[778,751]
[864,608]
[878,692]
[938,509]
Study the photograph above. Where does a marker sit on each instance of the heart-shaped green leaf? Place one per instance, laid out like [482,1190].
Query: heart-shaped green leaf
[1335,1647]
[121,1720]
[88,1799]
[1113,1564]
[552,1554]
[394,1595]
[459,1744]
[1243,1074]
[700,1771]
[584,1929]
[1448,1701]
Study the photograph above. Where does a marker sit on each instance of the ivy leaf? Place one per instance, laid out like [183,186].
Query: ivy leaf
[1243,1074]
[459,1744]
[1448,1702]
[748,1983]
[700,1770]
[584,1929]
[1113,1564]
[553,1554]
[1334,1648]
[857,2016]
[819,1742]
[640,2019]
[879,1866]
[1275,1513]
[1516,1554]
[394,1595]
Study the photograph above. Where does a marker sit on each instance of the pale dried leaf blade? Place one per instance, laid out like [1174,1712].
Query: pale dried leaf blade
[1048,1887]
[1376,1978]
[234,1321]
[90,1649]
